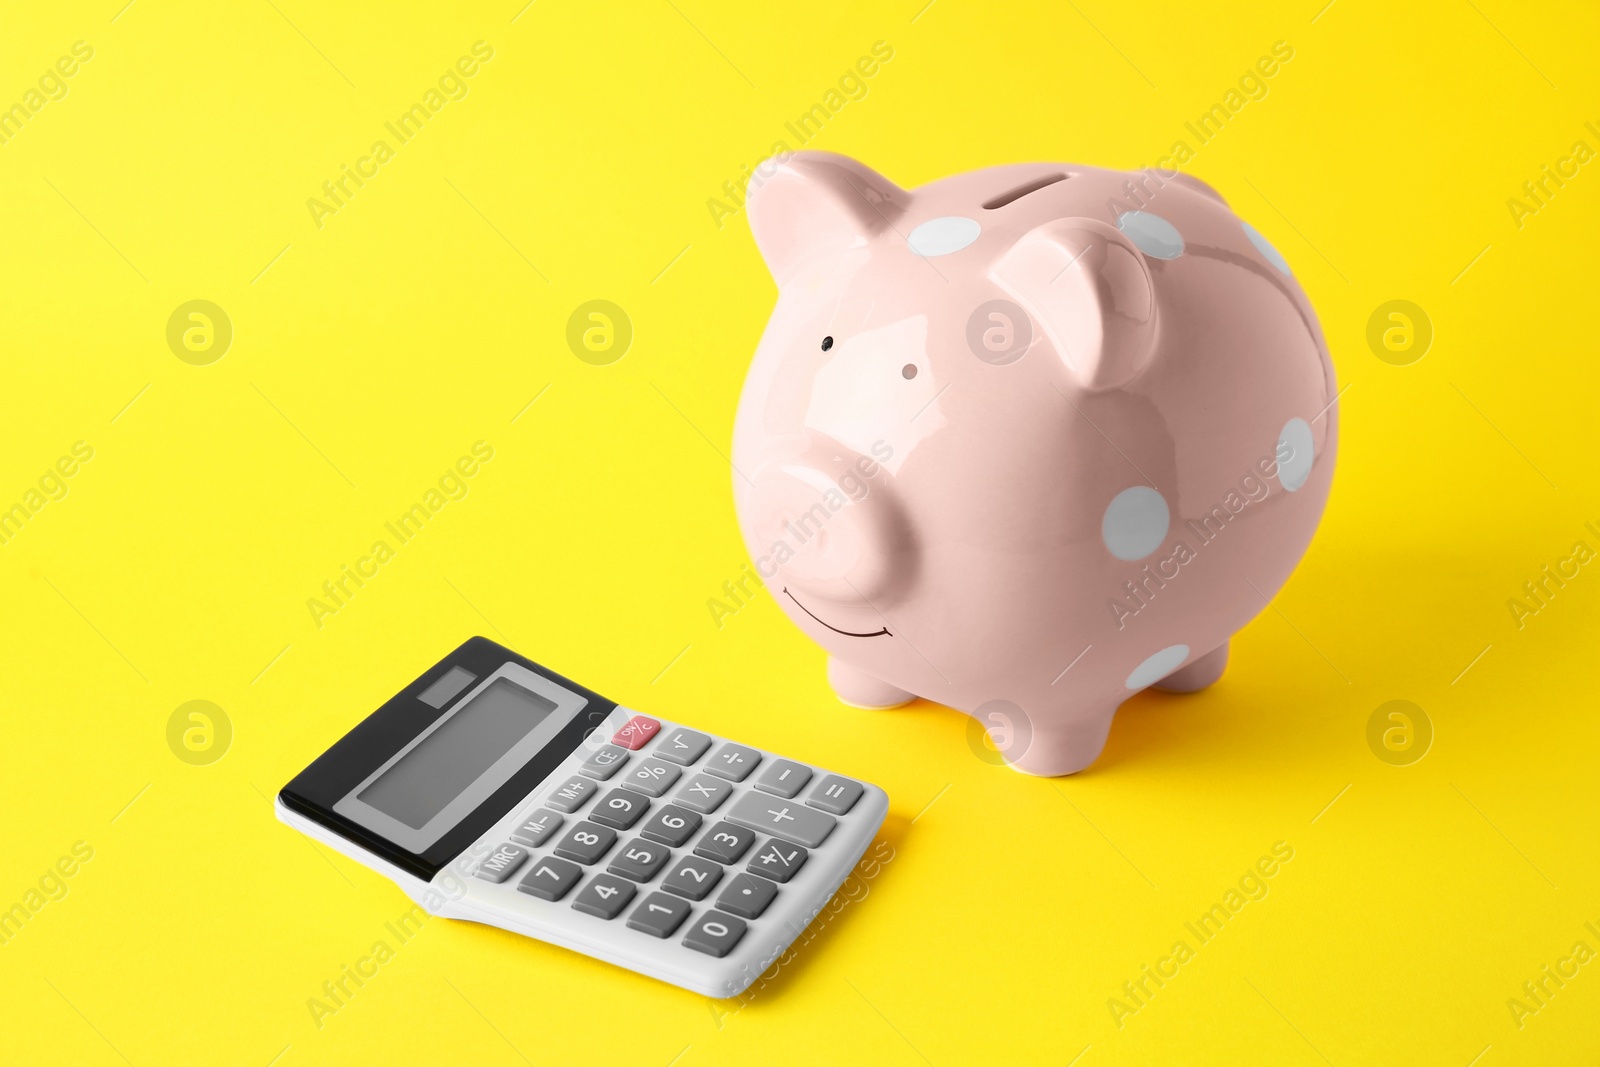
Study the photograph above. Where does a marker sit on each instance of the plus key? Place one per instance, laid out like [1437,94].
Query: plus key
[785,820]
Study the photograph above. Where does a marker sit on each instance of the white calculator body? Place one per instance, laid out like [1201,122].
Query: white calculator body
[493,789]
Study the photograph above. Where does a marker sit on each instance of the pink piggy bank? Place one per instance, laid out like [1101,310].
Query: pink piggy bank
[1028,440]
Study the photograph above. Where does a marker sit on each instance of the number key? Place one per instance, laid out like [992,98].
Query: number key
[725,843]
[671,825]
[639,860]
[693,878]
[659,914]
[619,808]
[550,879]
[586,842]
[652,777]
[714,933]
[605,896]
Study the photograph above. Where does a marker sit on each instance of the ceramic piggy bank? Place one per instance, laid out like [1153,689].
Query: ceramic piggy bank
[1028,440]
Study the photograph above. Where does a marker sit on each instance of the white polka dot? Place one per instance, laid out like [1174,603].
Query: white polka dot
[1264,246]
[1136,522]
[1151,234]
[940,237]
[1294,454]
[1158,666]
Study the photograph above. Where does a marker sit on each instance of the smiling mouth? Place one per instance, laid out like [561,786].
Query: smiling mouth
[884,632]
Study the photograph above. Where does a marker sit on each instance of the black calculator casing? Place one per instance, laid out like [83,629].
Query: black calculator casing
[315,790]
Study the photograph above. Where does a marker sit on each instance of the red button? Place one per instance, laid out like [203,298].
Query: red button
[638,730]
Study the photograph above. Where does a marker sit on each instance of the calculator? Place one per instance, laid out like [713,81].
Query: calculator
[495,790]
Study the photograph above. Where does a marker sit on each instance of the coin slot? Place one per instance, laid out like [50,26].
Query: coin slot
[1023,190]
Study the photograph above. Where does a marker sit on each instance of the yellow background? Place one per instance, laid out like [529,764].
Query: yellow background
[370,353]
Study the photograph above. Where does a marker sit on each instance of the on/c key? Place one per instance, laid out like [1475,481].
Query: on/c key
[635,732]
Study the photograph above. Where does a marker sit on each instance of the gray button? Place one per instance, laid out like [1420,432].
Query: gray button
[570,797]
[747,896]
[683,746]
[725,843]
[586,842]
[605,896]
[693,878]
[639,859]
[659,914]
[704,794]
[733,762]
[778,861]
[502,863]
[671,825]
[784,778]
[619,808]
[835,794]
[605,762]
[550,878]
[651,777]
[537,828]
[714,933]
[789,820]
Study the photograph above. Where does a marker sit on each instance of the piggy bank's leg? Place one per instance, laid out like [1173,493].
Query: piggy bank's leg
[1065,746]
[861,690]
[1199,674]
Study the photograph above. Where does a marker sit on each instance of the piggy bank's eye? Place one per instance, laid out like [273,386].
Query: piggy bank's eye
[908,371]
[827,343]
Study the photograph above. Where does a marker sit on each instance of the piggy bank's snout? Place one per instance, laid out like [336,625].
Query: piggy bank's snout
[830,530]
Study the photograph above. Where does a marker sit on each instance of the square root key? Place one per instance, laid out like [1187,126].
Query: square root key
[683,746]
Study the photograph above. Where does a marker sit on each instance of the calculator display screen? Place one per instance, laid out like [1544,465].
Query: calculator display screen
[423,782]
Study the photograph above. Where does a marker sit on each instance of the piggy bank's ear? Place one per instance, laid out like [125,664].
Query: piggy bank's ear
[808,204]
[1089,289]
